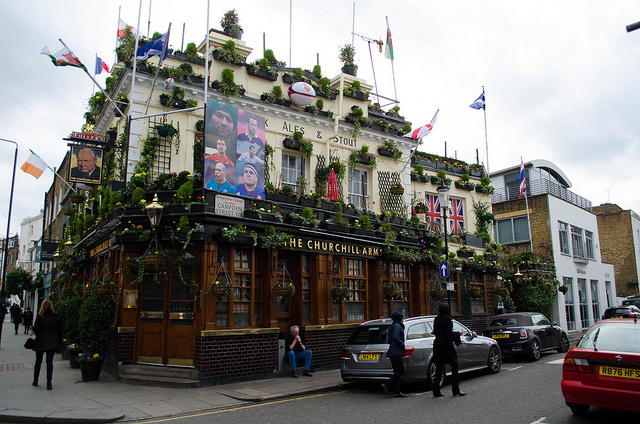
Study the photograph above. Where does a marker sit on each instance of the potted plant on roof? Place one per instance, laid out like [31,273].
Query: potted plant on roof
[464,183]
[230,23]
[347,54]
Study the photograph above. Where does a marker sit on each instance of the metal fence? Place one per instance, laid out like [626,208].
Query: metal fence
[541,187]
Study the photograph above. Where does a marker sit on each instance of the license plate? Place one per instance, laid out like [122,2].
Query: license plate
[620,372]
[617,317]
[500,336]
[369,356]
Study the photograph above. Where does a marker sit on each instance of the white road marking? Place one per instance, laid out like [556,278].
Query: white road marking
[556,361]
[539,420]
[516,368]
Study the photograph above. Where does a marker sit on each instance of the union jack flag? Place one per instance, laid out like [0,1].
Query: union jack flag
[434,213]
[456,217]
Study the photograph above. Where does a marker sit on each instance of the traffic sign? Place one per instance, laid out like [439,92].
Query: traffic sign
[444,269]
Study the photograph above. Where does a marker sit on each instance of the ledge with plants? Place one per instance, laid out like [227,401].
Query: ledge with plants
[298,143]
[275,96]
[362,157]
[418,175]
[227,86]
[464,183]
[261,69]
[227,53]
[357,118]
[440,178]
[390,150]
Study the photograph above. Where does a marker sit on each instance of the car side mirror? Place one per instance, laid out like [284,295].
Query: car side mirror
[473,334]
[553,323]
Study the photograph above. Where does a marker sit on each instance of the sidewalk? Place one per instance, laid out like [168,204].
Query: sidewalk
[108,400]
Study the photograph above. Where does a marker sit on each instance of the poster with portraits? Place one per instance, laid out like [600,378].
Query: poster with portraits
[234,150]
[85,165]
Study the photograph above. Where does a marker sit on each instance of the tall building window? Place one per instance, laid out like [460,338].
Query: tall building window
[242,307]
[512,230]
[563,230]
[577,242]
[292,169]
[584,306]
[358,189]
[397,273]
[569,307]
[351,273]
[306,288]
[588,237]
[595,302]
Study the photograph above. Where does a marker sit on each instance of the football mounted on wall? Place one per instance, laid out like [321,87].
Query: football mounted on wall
[301,93]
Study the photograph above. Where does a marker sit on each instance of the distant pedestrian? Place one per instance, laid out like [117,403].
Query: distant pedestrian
[17,317]
[11,309]
[27,320]
[396,353]
[48,333]
[295,350]
[3,313]
[444,352]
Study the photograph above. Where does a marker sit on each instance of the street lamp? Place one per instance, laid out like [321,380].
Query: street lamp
[68,246]
[443,197]
[154,212]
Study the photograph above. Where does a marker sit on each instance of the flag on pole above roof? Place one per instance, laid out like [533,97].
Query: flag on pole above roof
[34,165]
[100,65]
[122,29]
[388,49]
[523,180]
[479,103]
[63,57]
[424,130]
[157,47]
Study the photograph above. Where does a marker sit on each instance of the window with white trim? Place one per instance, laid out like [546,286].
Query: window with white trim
[512,230]
[589,246]
[577,242]
[292,169]
[563,232]
[358,188]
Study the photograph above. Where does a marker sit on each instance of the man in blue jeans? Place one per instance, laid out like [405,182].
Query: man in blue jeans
[295,351]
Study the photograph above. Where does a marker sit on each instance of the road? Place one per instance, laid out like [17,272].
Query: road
[523,392]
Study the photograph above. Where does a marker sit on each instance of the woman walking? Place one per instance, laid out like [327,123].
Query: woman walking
[48,337]
[444,352]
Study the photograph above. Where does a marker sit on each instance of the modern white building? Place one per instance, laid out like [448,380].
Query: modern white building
[30,236]
[562,227]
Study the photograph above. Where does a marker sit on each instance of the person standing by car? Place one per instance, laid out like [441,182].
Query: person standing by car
[395,336]
[444,352]
[48,333]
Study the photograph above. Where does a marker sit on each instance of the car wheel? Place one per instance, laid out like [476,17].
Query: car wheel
[494,361]
[534,353]
[578,408]
[564,344]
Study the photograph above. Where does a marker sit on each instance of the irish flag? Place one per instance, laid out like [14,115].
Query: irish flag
[64,57]
[34,165]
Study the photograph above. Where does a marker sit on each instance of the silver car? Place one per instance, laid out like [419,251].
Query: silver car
[364,354]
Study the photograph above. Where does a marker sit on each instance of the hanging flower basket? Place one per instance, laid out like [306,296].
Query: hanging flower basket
[166,130]
[397,189]
[475,292]
[221,289]
[502,291]
[392,291]
[339,294]
[284,290]
[563,289]
[153,262]
[77,199]
[86,291]
[438,294]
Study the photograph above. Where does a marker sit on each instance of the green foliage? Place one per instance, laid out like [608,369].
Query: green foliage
[191,50]
[268,54]
[277,91]
[324,82]
[230,22]
[70,314]
[356,85]
[338,218]
[227,75]
[320,104]
[298,72]
[183,224]
[137,195]
[317,71]
[483,220]
[16,280]
[297,135]
[89,220]
[96,316]
[347,54]
[306,147]
[307,213]
[185,192]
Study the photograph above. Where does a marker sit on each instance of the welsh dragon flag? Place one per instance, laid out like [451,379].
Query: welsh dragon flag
[63,57]
[388,50]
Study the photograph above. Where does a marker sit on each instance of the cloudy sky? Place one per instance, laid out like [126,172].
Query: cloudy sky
[562,78]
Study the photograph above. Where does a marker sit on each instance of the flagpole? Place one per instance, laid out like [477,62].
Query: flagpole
[486,140]
[6,241]
[206,61]
[417,145]
[526,200]
[393,73]
[53,170]
[155,77]
[115,54]
[133,93]
[93,87]
[104,92]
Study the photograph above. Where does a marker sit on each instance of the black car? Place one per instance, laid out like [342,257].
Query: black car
[624,311]
[526,333]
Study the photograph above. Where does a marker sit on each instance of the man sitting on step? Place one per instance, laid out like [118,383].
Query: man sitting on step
[295,351]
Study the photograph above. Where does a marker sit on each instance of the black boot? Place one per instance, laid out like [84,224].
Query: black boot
[36,374]
[49,376]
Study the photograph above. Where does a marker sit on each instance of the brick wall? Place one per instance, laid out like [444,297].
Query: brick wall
[326,346]
[236,358]
[617,246]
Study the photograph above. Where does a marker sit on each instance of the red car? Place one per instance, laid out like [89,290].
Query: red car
[603,368]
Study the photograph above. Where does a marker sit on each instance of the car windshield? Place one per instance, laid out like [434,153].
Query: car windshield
[369,335]
[619,311]
[619,338]
[510,321]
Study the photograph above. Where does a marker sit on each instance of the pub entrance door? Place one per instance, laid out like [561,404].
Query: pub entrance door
[166,334]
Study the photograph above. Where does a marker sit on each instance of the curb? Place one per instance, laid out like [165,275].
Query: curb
[103,415]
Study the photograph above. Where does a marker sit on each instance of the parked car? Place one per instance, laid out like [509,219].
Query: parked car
[602,370]
[526,333]
[364,354]
[632,301]
[624,311]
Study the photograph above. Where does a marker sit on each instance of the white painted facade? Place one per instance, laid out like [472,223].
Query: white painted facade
[30,235]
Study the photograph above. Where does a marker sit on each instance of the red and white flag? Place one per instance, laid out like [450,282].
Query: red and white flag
[34,165]
[63,57]
[424,130]
[122,28]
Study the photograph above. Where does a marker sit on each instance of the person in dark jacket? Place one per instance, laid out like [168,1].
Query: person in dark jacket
[27,320]
[295,351]
[48,331]
[444,352]
[3,313]
[16,315]
[396,353]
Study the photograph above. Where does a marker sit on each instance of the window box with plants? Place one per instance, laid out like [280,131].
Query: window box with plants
[323,90]
[286,194]
[417,174]
[362,226]
[296,76]
[390,150]
[441,178]
[476,170]
[335,224]
[485,186]
[262,70]
[239,234]
[465,252]
[464,183]
[362,157]
[355,92]
[296,142]
[269,214]
[275,96]
[227,53]
[316,109]
[227,86]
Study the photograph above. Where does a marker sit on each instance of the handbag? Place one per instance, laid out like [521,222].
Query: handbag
[30,343]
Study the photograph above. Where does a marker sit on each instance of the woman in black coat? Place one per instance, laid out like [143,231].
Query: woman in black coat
[444,352]
[48,331]
[16,314]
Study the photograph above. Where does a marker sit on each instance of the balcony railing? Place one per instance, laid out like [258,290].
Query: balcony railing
[541,187]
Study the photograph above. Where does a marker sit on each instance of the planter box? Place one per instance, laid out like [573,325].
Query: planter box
[309,203]
[476,173]
[464,254]
[261,73]
[483,189]
[244,240]
[195,80]
[334,228]
[365,160]
[465,186]
[488,257]
[291,144]
[385,152]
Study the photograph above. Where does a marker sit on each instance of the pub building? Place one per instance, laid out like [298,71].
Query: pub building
[208,282]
